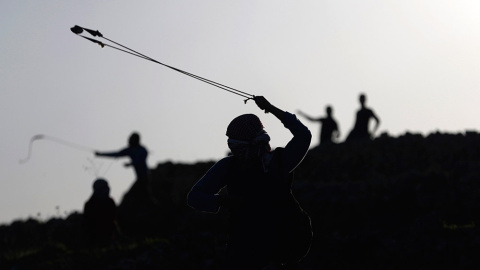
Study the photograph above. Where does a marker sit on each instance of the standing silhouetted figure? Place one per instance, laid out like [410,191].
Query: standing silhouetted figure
[138,156]
[329,128]
[99,215]
[360,130]
[267,226]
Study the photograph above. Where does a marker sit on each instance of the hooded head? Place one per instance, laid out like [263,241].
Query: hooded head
[244,127]
[101,188]
[246,136]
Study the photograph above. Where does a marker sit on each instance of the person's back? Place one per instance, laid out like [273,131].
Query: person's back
[138,155]
[362,121]
[360,130]
[99,215]
[251,220]
[329,126]
[266,224]
[136,152]
[138,159]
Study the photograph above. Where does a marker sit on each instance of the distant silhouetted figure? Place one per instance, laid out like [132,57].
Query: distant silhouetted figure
[267,226]
[138,156]
[329,128]
[360,130]
[99,215]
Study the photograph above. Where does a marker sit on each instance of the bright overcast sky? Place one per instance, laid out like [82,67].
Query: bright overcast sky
[417,61]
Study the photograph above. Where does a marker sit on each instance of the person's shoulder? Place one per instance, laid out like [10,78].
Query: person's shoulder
[91,202]
[140,147]
[87,203]
[370,111]
[224,161]
[277,152]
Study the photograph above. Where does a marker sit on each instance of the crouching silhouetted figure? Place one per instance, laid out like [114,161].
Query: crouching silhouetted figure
[267,226]
[99,215]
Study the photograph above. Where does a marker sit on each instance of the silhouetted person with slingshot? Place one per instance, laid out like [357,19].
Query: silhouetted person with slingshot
[329,129]
[267,226]
[137,207]
[138,159]
[360,131]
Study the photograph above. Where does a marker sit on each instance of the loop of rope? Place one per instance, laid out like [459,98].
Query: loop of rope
[96,170]
[54,139]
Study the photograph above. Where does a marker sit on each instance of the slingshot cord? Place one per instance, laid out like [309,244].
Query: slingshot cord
[97,170]
[54,139]
[78,30]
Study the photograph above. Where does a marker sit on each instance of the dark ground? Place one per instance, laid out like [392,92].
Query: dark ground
[410,202]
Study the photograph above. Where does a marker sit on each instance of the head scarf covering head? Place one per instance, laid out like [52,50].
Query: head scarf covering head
[246,137]
[244,127]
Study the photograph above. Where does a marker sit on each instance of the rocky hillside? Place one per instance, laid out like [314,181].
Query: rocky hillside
[410,202]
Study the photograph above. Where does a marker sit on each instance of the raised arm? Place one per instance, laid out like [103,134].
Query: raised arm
[308,117]
[263,104]
[297,147]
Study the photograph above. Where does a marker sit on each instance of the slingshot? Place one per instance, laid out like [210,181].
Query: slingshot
[78,30]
